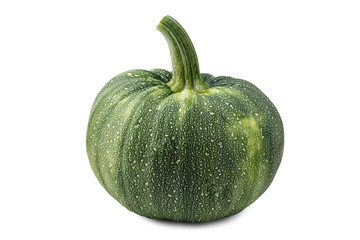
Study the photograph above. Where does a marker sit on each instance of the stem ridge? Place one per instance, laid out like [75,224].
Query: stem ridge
[185,65]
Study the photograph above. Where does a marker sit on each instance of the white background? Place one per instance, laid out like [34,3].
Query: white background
[56,55]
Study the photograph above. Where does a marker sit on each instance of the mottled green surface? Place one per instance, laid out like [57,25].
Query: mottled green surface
[184,156]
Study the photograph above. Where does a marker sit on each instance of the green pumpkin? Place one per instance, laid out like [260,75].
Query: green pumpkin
[181,145]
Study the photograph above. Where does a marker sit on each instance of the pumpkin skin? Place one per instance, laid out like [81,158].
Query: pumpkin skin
[189,156]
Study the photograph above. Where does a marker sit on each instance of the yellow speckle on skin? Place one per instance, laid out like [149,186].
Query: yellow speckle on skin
[212,90]
[248,130]
[254,136]
[186,99]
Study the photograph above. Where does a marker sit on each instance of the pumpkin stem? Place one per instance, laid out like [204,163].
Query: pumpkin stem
[185,65]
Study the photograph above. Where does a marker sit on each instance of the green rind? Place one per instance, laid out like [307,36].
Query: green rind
[186,156]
